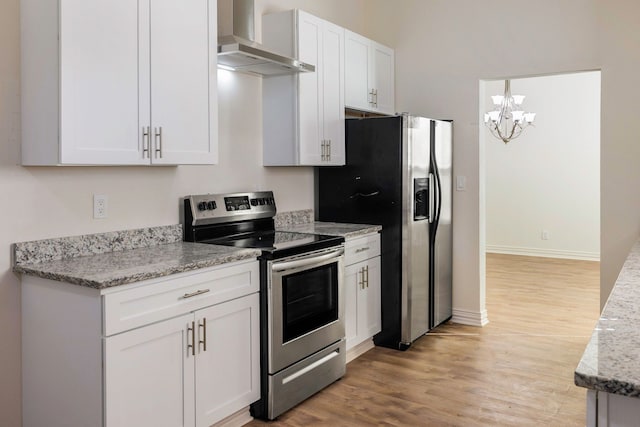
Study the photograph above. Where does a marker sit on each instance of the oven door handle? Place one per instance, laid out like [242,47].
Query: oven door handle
[302,262]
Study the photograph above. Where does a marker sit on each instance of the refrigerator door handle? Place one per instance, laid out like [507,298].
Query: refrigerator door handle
[356,195]
[432,200]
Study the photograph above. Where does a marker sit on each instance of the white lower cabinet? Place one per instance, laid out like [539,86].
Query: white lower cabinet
[362,289]
[151,361]
[612,410]
[227,371]
[219,375]
[177,351]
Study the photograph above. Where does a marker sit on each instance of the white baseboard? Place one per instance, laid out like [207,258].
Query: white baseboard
[471,318]
[359,349]
[546,253]
[238,419]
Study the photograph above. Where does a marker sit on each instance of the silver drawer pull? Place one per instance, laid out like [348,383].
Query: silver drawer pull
[366,248]
[193,294]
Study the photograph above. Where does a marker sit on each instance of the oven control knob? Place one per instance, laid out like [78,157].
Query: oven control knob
[211,205]
[254,202]
[261,201]
[202,206]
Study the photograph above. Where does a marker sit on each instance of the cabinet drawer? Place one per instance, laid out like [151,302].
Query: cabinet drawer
[361,248]
[174,296]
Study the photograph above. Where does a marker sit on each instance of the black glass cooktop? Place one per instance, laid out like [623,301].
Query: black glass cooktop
[271,240]
[278,243]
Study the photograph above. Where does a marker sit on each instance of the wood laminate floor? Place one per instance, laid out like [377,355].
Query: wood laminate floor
[515,371]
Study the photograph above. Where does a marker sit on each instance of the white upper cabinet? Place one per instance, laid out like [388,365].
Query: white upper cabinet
[303,114]
[119,82]
[369,75]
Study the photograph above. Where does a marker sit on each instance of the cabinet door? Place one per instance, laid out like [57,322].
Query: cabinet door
[148,375]
[227,362]
[182,81]
[99,83]
[363,318]
[310,90]
[333,93]
[357,85]
[369,310]
[352,287]
[383,77]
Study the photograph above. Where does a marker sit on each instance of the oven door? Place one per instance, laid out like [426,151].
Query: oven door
[306,308]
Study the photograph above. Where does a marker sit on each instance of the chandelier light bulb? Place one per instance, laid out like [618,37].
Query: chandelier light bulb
[518,99]
[508,120]
[517,116]
[494,116]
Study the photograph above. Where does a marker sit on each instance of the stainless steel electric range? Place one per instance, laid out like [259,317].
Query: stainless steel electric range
[302,333]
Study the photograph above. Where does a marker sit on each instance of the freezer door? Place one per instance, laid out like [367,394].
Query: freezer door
[417,199]
[441,228]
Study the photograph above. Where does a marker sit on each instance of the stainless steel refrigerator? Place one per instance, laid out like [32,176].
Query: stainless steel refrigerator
[398,174]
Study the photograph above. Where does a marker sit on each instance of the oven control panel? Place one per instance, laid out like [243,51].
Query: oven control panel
[218,208]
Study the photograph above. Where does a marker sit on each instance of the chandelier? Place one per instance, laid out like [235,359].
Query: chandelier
[508,120]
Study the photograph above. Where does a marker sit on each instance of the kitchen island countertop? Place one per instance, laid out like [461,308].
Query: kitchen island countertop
[610,362]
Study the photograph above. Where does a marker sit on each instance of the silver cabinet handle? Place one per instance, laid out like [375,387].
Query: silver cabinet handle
[196,293]
[366,272]
[146,131]
[158,137]
[366,248]
[203,335]
[370,99]
[375,94]
[323,150]
[326,150]
[191,346]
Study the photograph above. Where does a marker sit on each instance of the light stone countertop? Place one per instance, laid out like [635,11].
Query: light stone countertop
[116,258]
[346,230]
[611,361]
[122,267]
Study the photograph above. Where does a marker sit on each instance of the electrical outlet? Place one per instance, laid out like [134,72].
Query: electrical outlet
[100,206]
[545,235]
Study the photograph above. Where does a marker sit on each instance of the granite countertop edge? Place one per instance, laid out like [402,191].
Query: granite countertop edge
[608,385]
[118,279]
[608,363]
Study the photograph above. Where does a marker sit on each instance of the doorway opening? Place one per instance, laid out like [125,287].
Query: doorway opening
[540,193]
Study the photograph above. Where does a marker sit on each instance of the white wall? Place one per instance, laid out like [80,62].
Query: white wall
[48,202]
[549,177]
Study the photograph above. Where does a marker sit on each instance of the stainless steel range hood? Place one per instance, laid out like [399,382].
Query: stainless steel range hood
[239,51]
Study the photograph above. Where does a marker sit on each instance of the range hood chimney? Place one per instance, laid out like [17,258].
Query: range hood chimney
[240,52]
